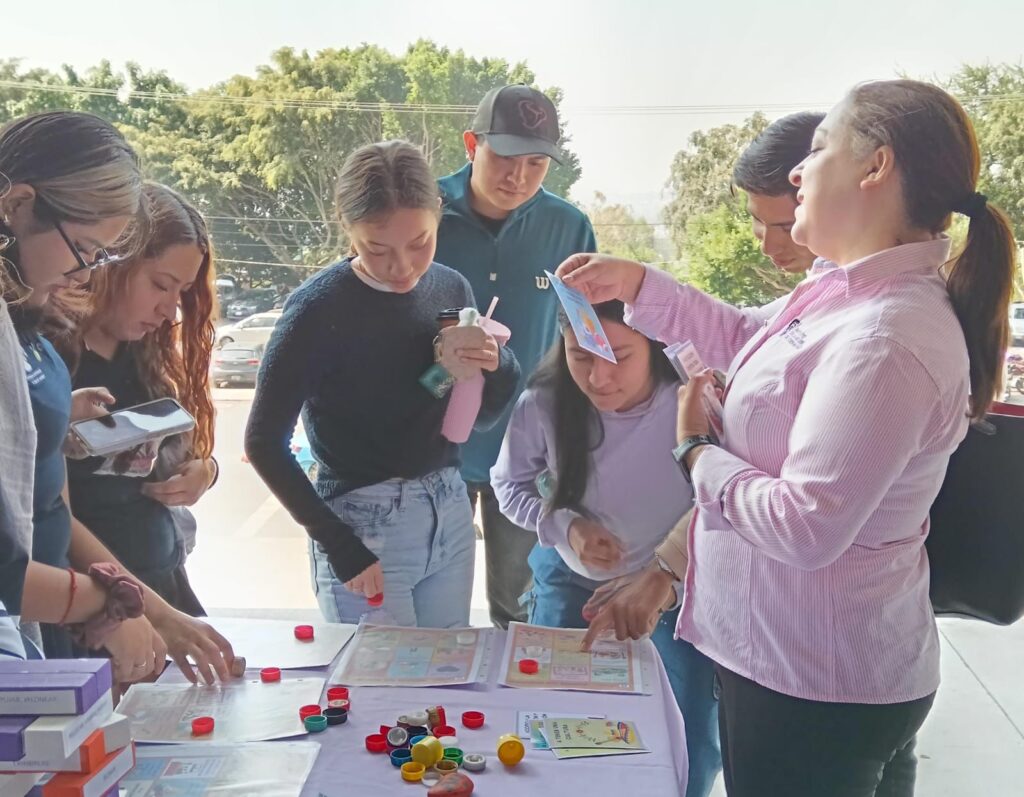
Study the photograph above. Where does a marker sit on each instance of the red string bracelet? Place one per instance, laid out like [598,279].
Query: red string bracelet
[71,596]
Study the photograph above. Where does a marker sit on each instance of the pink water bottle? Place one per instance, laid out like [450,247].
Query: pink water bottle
[467,394]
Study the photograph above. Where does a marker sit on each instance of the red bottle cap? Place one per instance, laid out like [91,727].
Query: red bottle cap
[376,600]
[528,666]
[201,726]
[444,730]
[337,693]
[270,674]
[309,711]
[304,632]
[384,730]
[473,719]
[441,716]
[376,743]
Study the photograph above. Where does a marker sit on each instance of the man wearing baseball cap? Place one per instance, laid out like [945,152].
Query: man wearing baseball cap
[501,230]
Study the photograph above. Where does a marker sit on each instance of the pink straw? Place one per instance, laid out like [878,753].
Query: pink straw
[494,303]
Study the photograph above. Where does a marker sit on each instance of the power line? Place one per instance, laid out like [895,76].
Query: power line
[342,104]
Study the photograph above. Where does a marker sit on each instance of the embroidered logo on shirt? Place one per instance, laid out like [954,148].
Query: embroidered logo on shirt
[543,283]
[794,335]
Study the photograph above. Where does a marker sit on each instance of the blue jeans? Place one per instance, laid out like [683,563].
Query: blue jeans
[421,530]
[557,600]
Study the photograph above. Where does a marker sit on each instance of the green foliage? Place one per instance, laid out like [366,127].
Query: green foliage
[725,260]
[619,232]
[260,154]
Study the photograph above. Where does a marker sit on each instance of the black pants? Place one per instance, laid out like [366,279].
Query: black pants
[506,548]
[774,745]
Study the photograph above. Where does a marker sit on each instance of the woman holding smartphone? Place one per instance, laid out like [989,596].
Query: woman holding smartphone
[147,333]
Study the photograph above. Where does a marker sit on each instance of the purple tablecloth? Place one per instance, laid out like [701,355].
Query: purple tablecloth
[344,768]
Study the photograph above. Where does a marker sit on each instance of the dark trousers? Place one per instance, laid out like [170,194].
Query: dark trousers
[506,549]
[774,745]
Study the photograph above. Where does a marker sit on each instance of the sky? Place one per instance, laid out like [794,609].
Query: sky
[742,54]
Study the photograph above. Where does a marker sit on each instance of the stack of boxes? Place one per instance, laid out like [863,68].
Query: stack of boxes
[59,735]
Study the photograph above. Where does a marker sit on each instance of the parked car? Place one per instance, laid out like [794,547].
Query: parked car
[236,365]
[258,300]
[1017,323]
[252,331]
[227,289]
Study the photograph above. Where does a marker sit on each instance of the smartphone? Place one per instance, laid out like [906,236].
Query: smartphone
[131,427]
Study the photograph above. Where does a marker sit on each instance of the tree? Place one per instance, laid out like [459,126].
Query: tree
[709,224]
[619,232]
[259,155]
[725,260]
[701,176]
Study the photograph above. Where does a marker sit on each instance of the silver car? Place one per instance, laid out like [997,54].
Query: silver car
[252,331]
[236,365]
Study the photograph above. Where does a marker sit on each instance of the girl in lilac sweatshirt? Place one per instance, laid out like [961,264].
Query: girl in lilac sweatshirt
[586,463]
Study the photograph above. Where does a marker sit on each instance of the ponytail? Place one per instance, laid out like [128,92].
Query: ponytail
[980,284]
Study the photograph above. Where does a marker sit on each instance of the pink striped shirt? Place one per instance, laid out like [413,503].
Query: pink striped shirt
[808,572]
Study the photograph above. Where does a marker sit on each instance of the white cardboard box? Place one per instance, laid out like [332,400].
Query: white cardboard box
[57,737]
[116,735]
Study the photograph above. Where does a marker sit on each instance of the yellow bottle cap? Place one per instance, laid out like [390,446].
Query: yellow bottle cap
[428,751]
[510,749]
[413,771]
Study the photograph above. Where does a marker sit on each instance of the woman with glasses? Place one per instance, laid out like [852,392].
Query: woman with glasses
[147,333]
[70,187]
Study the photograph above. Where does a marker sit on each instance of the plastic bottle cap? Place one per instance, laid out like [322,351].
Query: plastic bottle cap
[446,765]
[376,600]
[304,632]
[336,716]
[316,723]
[238,667]
[403,721]
[384,729]
[419,738]
[403,755]
[337,693]
[398,737]
[270,675]
[510,749]
[431,778]
[412,771]
[376,743]
[472,719]
[474,762]
[528,666]
[444,730]
[427,751]
[417,730]
[448,741]
[418,718]
[311,710]
[345,704]
[454,754]
[201,726]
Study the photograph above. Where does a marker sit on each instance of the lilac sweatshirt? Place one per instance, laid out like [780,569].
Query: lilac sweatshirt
[635,489]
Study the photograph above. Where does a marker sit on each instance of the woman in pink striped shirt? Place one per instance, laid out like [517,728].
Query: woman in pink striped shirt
[808,578]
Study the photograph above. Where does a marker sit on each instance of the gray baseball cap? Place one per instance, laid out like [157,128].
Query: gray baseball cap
[518,120]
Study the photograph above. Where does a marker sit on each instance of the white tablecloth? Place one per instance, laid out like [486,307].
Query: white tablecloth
[344,768]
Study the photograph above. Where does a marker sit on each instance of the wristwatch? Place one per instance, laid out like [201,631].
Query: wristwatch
[685,447]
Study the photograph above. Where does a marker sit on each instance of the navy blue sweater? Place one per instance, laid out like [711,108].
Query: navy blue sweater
[349,358]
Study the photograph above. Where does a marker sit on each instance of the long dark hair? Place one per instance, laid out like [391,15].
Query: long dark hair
[578,428]
[937,154]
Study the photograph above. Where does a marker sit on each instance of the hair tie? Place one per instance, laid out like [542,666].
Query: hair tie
[973,206]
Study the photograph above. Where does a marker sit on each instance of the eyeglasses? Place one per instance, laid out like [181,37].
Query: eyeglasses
[101,258]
